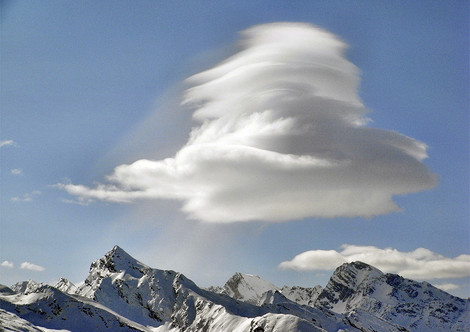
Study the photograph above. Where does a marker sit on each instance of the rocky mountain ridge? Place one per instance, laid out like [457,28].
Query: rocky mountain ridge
[123,294]
[253,289]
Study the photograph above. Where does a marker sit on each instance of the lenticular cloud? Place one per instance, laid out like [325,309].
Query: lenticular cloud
[282,135]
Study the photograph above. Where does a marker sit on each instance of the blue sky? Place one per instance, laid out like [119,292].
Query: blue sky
[87,86]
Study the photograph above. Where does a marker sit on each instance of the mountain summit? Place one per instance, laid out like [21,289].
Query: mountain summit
[247,287]
[358,290]
[255,290]
[123,294]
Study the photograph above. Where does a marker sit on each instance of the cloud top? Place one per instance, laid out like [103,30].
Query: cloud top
[282,134]
[420,263]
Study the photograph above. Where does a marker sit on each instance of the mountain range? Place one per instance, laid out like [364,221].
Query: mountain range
[123,294]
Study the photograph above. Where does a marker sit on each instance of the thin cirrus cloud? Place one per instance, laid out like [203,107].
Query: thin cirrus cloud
[31,267]
[420,263]
[7,142]
[282,135]
[28,197]
[16,171]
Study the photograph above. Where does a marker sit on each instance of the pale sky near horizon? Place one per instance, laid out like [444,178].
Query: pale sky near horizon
[343,135]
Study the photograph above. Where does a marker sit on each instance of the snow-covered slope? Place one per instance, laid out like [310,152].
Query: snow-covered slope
[302,295]
[11,322]
[66,286]
[123,294]
[255,290]
[44,305]
[246,287]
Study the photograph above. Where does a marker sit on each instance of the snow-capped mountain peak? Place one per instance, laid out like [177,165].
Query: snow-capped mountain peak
[246,287]
[123,294]
[272,297]
[345,281]
[360,291]
[255,290]
[117,260]
[64,285]
[26,287]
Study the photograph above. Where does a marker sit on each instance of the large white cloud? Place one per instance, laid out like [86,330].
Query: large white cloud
[417,264]
[282,135]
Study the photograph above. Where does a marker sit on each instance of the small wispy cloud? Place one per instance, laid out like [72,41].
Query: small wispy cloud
[82,202]
[31,266]
[420,263]
[7,264]
[28,197]
[7,143]
[16,171]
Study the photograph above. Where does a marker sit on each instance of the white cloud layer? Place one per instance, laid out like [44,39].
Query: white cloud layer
[282,135]
[417,264]
[31,266]
[6,264]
